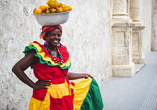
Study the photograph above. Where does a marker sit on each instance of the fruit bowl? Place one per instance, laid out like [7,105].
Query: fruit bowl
[52,18]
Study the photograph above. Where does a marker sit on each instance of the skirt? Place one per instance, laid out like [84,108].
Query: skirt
[79,95]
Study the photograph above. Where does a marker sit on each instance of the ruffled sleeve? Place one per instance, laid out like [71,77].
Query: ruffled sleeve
[45,57]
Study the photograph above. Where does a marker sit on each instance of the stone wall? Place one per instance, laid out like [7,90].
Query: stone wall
[145,17]
[154,25]
[86,35]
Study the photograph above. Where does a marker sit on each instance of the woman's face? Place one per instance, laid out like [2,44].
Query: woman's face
[53,37]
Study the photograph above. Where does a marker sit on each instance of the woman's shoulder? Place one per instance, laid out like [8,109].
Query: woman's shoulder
[36,43]
[33,46]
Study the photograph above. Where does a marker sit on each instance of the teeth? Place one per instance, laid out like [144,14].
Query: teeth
[55,41]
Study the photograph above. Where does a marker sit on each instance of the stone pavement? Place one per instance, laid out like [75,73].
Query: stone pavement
[136,93]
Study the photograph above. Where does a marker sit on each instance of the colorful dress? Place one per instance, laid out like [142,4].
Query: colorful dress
[62,94]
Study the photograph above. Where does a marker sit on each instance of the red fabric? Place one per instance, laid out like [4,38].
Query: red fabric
[39,94]
[65,103]
[44,72]
[53,73]
[73,84]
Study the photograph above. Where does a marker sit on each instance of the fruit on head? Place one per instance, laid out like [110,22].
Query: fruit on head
[50,1]
[65,9]
[53,10]
[34,10]
[47,11]
[47,7]
[59,4]
[37,11]
[52,6]
[70,8]
[42,7]
[59,9]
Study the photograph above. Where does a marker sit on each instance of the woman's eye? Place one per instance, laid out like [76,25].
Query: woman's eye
[59,35]
[52,34]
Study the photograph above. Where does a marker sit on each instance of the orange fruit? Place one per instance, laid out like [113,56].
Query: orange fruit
[59,9]
[42,7]
[65,9]
[34,10]
[70,8]
[38,11]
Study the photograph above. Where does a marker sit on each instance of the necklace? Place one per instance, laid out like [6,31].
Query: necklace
[59,54]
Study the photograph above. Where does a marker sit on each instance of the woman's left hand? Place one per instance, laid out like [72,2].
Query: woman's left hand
[87,75]
[73,76]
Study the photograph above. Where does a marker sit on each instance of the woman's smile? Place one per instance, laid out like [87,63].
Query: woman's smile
[55,41]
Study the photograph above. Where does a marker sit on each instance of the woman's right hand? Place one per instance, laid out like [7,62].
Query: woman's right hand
[42,84]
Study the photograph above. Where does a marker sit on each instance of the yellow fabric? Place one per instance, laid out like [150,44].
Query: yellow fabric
[36,104]
[80,91]
[56,91]
[46,58]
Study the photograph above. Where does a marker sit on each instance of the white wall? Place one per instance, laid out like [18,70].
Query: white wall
[145,17]
[154,25]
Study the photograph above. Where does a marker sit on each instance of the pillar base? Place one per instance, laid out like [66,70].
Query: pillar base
[122,19]
[123,70]
[137,43]
[138,59]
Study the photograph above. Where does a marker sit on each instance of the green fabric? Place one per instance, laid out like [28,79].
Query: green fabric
[30,47]
[93,100]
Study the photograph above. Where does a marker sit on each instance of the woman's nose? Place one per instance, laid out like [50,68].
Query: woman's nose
[56,36]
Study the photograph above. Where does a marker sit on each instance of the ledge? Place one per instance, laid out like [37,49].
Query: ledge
[138,67]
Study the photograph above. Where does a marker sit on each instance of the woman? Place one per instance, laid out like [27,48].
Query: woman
[50,63]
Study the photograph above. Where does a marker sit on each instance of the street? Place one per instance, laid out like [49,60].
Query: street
[136,93]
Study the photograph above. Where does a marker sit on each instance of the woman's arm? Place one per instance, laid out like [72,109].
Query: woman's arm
[22,65]
[73,76]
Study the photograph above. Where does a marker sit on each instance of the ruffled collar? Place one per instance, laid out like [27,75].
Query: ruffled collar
[45,57]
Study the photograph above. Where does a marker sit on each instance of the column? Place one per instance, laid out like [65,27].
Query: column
[137,44]
[137,33]
[121,40]
[134,10]
[120,13]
